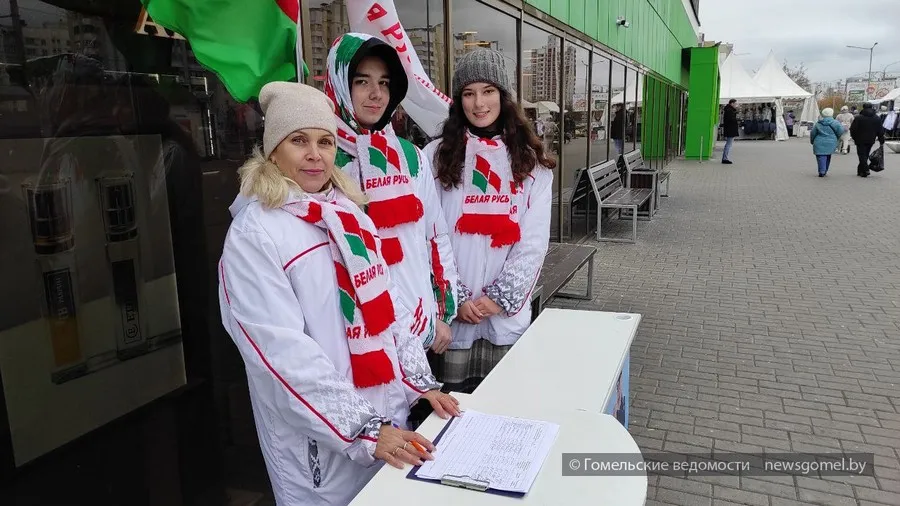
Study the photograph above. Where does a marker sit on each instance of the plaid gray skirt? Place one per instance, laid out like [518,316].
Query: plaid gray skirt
[463,370]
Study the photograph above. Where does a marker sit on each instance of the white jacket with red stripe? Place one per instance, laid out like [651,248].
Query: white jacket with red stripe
[426,277]
[508,274]
[279,303]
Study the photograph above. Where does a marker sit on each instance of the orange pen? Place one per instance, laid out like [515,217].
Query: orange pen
[419,447]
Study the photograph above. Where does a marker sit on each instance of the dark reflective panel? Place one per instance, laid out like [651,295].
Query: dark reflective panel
[118,161]
[600,144]
[575,129]
[617,114]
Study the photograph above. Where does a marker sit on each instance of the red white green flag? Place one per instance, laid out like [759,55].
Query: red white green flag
[248,43]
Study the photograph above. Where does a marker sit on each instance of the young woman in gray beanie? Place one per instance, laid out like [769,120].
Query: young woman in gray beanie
[495,184]
[305,295]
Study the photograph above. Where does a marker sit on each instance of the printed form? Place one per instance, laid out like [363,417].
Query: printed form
[502,452]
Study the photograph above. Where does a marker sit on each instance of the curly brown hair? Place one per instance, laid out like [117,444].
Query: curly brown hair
[525,148]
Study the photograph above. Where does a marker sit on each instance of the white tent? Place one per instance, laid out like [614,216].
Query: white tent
[771,77]
[781,133]
[628,94]
[893,95]
[737,84]
[810,112]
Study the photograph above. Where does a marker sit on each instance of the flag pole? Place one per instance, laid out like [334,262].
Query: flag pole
[299,51]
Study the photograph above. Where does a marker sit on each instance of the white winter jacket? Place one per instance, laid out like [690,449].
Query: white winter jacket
[507,274]
[427,256]
[279,303]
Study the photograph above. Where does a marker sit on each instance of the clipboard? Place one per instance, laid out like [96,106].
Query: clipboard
[466,482]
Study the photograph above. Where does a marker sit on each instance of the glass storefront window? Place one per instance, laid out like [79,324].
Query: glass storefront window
[540,99]
[575,122]
[423,21]
[638,102]
[477,25]
[103,177]
[617,110]
[630,108]
[327,20]
[599,109]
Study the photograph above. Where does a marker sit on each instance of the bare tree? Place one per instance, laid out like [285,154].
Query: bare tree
[798,75]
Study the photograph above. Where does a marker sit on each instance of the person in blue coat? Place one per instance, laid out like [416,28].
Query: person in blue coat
[824,138]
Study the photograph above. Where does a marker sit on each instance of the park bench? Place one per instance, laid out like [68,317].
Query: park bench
[573,196]
[560,265]
[611,194]
[640,175]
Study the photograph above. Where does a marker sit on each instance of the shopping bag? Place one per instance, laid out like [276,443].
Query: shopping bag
[876,159]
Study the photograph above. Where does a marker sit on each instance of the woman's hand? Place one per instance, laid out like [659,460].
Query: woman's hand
[396,447]
[486,306]
[443,404]
[442,337]
[469,313]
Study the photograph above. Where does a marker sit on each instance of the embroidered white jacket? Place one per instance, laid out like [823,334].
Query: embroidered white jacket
[279,303]
[427,257]
[507,275]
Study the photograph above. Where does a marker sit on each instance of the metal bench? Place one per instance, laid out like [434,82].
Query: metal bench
[611,194]
[640,175]
[572,196]
[560,265]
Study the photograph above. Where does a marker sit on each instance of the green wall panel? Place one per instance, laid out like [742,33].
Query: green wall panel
[659,29]
[559,9]
[576,15]
[703,105]
[591,19]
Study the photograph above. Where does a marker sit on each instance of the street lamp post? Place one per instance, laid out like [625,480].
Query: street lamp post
[871,51]
[884,71]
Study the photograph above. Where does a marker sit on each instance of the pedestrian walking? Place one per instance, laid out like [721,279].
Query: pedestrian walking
[730,125]
[824,139]
[845,118]
[865,130]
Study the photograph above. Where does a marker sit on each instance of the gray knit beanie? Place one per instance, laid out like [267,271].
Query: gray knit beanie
[289,107]
[480,66]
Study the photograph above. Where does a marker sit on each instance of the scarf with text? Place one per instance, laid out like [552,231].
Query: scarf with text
[386,163]
[362,284]
[488,184]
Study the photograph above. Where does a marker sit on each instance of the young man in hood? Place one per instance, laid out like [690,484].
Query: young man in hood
[366,82]
[865,130]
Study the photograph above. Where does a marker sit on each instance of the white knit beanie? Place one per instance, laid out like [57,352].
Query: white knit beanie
[828,112]
[288,107]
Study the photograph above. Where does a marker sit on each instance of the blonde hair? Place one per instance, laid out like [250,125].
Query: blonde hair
[261,178]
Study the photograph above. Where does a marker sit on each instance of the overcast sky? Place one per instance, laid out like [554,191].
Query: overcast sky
[812,32]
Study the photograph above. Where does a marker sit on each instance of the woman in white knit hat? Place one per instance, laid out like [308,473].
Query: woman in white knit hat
[495,184]
[824,138]
[305,294]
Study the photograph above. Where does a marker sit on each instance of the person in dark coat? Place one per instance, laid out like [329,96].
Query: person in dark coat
[617,127]
[730,125]
[864,130]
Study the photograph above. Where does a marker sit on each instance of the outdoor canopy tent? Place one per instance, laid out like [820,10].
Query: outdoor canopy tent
[810,112]
[771,77]
[893,95]
[737,84]
[628,94]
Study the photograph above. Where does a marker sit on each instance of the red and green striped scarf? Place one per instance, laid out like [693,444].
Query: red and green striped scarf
[489,186]
[386,163]
[362,285]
